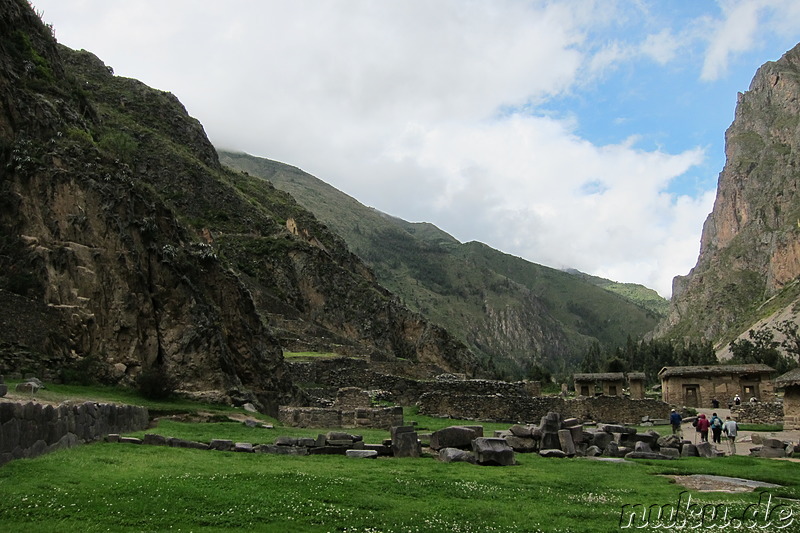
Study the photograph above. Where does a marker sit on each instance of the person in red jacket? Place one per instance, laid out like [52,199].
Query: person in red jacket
[702,427]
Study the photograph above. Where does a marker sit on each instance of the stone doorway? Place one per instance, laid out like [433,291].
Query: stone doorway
[691,395]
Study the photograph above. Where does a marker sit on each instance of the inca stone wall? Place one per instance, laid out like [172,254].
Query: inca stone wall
[326,377]
[758,413]
[320,417]
[32,429]
[527,409]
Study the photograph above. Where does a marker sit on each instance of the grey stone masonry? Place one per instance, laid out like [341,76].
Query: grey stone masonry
[30,429]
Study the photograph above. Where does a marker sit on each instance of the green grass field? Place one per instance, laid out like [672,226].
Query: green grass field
[126,487]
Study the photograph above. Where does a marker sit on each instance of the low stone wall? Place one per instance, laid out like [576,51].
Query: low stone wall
[526,409]
[758,413]
[32,429]
[321,417]
[334,374]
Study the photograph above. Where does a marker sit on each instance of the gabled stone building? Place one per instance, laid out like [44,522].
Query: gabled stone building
[697,386]
[790,383]
[609,383]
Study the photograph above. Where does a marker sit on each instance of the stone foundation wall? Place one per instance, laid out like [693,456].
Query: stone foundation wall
[334,374]
[526,409]
[321,417]
[758,413]
[32,429]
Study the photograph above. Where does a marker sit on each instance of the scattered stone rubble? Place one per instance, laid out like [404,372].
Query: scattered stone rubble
[772,447]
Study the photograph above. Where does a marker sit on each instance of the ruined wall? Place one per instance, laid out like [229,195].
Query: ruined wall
[32,429]
[791,407]
[525,409]
[758,413]
[333,374]
[321,417]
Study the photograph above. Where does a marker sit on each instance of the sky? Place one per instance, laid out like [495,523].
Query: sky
[575,134]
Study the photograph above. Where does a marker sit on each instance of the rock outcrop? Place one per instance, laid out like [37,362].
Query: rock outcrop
[750,247]
[126,247]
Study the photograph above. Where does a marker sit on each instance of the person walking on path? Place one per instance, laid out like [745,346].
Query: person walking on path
[675,419]
[702,427]
[731,429]
[716,429]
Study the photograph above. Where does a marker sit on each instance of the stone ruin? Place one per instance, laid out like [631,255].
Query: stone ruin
[557,437]
[772,447]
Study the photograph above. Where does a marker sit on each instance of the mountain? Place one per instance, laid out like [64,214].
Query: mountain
[126,247]
[747,271]
[513,313]
[644,296]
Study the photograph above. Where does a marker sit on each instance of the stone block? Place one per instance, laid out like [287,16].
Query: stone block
[577,433]
[406,445]
[245,447]
[282,450]
[456,455]
[689,450]
[362,454]
[769,451]
[673,453]
[704,449]
[222,445]
[154,440]
[521,444]
[321,450]
[491,451]
[181,443]
[284,440]
[130,440]
[565,441]
[3,389]
[382,449]
[550,441]
[552,452]
[602,439]
[112,437]
[647,455]
[453,437]
[774,443]
[642,447]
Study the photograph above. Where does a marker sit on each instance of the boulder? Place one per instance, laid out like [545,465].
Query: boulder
[669,441]
[593,451]
[453,437]
[601,439]
[27,387]
[491,451]
[551,422]
[456,455]
[519,430]
[642,447]
[769,451]
[550,441]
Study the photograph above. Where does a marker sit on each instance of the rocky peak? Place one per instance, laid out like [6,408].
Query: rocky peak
[750,246]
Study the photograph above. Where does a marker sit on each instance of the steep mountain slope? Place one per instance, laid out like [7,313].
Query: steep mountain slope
[644,296]
[749,258]
[515,313]
[126,246]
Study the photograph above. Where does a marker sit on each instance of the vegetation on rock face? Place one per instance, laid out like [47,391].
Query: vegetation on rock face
[118,219]
[515,314]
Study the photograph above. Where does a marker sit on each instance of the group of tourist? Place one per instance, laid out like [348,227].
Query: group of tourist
[703,424]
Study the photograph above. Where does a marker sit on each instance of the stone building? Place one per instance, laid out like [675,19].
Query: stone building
[790,383]
[697,386]
[636,382]
[608,383]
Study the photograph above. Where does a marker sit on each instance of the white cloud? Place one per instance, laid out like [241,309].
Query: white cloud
[397,104]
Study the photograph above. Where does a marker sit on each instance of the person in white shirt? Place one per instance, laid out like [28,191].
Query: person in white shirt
[731,429]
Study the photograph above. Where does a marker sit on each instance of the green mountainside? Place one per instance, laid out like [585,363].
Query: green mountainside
[510,311]
[127,249]
[644,296]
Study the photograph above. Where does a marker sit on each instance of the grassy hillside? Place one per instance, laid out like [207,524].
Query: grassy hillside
[508,310]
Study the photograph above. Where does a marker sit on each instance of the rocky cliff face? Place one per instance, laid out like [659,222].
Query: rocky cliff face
[125,244]
[749,259]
